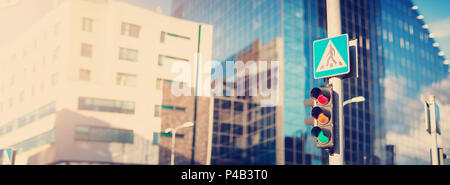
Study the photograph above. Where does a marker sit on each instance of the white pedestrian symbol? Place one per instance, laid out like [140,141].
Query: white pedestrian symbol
[331,59]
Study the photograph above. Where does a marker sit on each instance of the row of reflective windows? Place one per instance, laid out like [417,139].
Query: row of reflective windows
[167,107]
[103,134]
[157,135]
[83,133]
[106,105]
[117,106]
[28,118]
[34,142]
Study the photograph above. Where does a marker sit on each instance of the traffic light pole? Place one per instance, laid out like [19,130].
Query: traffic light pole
[334,29]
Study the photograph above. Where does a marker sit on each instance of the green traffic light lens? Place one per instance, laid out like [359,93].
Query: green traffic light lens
[320,135]
[322,138]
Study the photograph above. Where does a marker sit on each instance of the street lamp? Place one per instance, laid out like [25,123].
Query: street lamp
[174,132]
[354,100]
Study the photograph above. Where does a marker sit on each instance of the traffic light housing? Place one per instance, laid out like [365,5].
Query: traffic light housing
[321,118]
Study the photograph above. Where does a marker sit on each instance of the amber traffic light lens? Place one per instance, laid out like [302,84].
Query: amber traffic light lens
[322,118]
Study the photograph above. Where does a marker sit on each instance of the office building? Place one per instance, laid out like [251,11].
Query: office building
[84,84]
[398,65]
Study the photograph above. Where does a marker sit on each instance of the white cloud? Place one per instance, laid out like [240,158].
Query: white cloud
[440,28]
[412,145]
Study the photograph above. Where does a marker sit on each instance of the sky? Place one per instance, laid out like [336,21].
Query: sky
[437,16]
[165,5]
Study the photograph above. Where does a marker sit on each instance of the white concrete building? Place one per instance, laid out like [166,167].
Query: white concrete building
[83,84]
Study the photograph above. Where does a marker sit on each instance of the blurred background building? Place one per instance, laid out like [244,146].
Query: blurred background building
[89,83]
[399,66]
[85,84]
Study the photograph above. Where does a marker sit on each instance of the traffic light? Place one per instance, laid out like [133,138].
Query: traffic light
[321,118]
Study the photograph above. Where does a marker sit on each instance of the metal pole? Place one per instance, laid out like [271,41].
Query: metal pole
[334,29]
[195,95]
[172,156]
[210,131]
[433,130]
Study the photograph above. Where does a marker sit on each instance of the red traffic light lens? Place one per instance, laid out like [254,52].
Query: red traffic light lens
[322,99]
[321,96]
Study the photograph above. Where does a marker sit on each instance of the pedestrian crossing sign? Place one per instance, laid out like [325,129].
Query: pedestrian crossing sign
[331,57]
[7,156]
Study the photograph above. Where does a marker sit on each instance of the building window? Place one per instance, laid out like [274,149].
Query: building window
[128,54]
[55,54]
[157,110]
[168,107]
[54,79]
[86,50]
[169,135]
[87,24]
[106,105]
[183,109]
[163,37]
[103,134]
[85,75]
[131,30]
[155,138]
[45,110]
[178,36]
[159,84]
[124,79]
[162,58]
[391,38]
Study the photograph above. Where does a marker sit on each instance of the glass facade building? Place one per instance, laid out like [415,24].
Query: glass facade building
[398,67]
